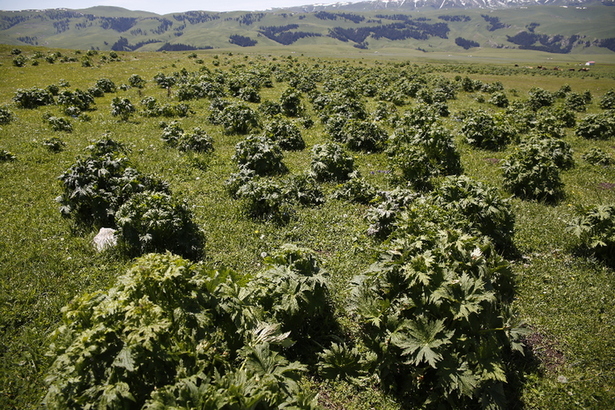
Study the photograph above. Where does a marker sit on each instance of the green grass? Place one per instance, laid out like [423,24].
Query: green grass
[44,262]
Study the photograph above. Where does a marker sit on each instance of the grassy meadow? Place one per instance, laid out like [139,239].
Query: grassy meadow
[563,297]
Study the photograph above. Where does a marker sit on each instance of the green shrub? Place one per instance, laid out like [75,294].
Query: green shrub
[360,135]
[597,126]
[58,123]
[596,156]
[356,189]
[260,154]
[33,97]
[559,150]
[170,333]
[249,94]
[331,163]
[382,216]
[106,85]
[156,222]
[531,173]
[20,61]
[576,102]
[270,108]
[171,133]
[135,80]
[410,164]
[481,130]
[263,198]
[303,190]
[6,155]
[123,108]
[499,99]
[539,98]
[481,205]
[285,133]
[607,102]
[197,140]
[236,180]
[6,116]
[238,119]
[595,228]
[54,144]
[80,99]
[435,311]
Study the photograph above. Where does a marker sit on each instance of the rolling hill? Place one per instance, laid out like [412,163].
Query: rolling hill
[425,25]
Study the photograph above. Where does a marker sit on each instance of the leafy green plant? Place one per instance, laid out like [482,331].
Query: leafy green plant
[595,229]
[331,163]
[238,119]
[435,310]
[607,102]
[135,80]
[54,144]
[360,135]
[531,173]
[33,97]
[499,99]
[260,154]
[383,214]
[596,126]
[290,103]
[123,108]
[153,221]
[559,150]
[304,190]
[6,156]
[106,85]
[539,98]
[356,189]
[170,332]
[58,123]
[481,205]
[6,116]
[411,165]
[285,133]
[80,99]
[596,156]
[197,140]
[264,198]
[576,102]
[481,130]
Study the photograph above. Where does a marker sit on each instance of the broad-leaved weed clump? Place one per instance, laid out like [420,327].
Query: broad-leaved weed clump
[596,156]
[291,104]
[435,311]
[304,190]
[595,229]
[597,126]
[54,144]
[481,130]
[197,141]
[538,98]
[6,116]
[238,118]
[367,136]
[607,102]
[331,163]
[171,332]
[356,189]
[6,155]
[264,198]
[531,173]
[260,154]
[285,133]
[58,123]
[106,85]
[33,97]
[153,221]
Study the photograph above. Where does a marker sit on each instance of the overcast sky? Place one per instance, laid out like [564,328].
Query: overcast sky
[158,6]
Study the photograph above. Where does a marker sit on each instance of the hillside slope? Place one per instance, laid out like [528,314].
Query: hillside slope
[549,28]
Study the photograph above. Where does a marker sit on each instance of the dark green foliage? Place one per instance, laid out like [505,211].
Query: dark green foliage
[6,155]
[58,123]
[249,94]
[171,333]
[153,109]
[165,81]
[270,108]
[96,186]
[539,98]
[359,135]
[290,103]
[356,189]
[595,228]
[488,213]
[135,80]
[197,141]
[331,163]
[481,130]
[33,97]
[419,116]
[410,164]
[559,150]
[596,156]
[106,85]
[597,126]
[304,190]
[531,173]
[6,116]
[383,215]
[260,154]
[156,222]
[238,119]
[340,362]
[285,133]
[237,180]
[264,198]
[576,102]
[499,99]
[80,99]
[20,61]
[123,108]
[54,144]
[607,102]
[435,310]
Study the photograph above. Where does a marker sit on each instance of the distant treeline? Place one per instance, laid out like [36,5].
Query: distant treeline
[396,31]
[283,35]
[462,17]
[325,15]
[494,22]
[465,43]
[196,17]
[242,41]
[551,44]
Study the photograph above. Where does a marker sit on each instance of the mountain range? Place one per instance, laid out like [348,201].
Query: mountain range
[553,26]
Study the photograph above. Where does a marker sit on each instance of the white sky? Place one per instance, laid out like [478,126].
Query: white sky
[159,6]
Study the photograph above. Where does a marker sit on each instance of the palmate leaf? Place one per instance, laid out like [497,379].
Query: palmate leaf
[421,340]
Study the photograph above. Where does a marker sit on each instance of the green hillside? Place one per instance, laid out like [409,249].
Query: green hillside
[552,29]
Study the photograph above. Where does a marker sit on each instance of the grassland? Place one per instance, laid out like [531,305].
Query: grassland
[564,298]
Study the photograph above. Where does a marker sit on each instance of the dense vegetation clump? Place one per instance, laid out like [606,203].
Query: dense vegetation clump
[260,154]
[331,163]
[595,229]
[597,126]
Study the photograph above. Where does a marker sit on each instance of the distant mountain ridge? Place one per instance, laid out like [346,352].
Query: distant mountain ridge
[561,26]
